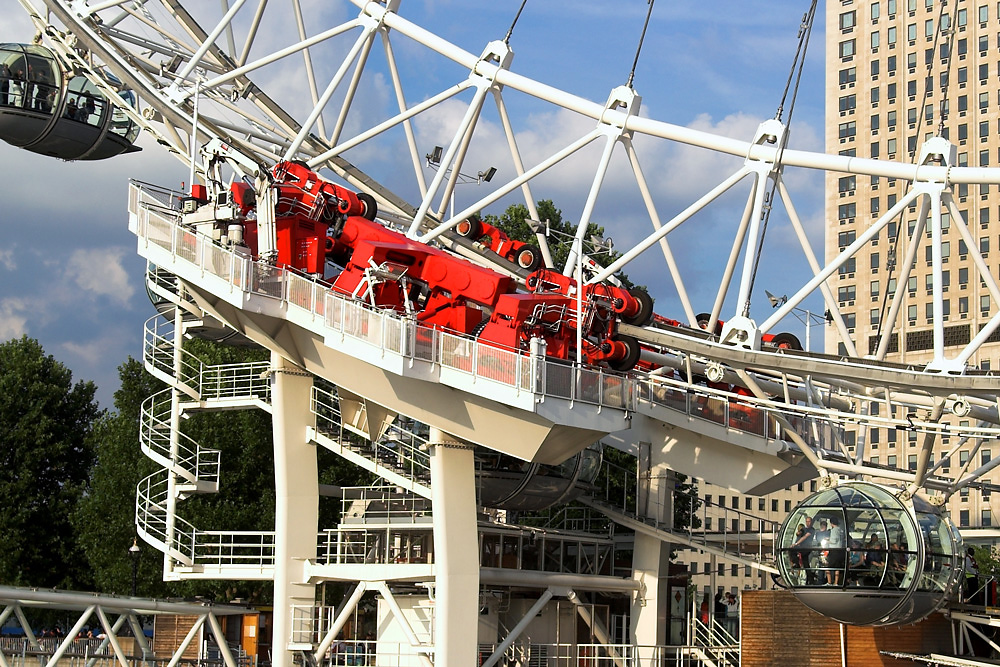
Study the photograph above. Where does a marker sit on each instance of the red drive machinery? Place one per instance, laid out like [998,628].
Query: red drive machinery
[317,221]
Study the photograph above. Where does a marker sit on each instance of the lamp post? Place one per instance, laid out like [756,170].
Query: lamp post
[133,552]
[485,176]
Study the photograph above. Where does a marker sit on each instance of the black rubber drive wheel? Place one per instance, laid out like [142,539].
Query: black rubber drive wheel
[786,341]
[371,206]
[645,314]
[529,257]
[631,357]
[470,229]
[702,320]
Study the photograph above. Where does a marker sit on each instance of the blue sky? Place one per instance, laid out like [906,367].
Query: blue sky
[69,274]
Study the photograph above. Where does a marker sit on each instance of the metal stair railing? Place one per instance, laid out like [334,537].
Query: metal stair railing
[717,642]
[400,451]
[729,540]
[192,547]
[200,381]
[192,462]
[152,524]
[197,467]
[158,357]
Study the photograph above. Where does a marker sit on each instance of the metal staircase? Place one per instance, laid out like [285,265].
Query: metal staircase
[399,455]
[396,452]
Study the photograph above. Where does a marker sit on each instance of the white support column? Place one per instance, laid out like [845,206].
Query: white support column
[456,551]
[651,557]
[296,511]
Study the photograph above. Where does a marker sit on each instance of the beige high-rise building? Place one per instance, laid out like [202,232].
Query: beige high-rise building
[900,72]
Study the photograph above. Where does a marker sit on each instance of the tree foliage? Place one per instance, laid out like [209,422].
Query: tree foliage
[513,222]
[105,517]
[45,423]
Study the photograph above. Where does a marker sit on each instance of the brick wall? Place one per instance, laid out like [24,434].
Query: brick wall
[776,629]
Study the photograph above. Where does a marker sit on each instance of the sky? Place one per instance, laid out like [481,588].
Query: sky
[70,275]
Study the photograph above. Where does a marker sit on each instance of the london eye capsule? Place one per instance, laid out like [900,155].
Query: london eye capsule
[45,111]
[873,558]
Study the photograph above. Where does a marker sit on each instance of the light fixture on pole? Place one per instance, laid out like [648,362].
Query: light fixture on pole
[133,552]
[484,176]
[807,317]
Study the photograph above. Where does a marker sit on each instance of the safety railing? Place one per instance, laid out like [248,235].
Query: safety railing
[152,519]
[81,652]
[205,382]
[158,355]
[740,413]
[384,329]
[310,625]
[717,640]
[392,544]
[246,548]
[187,544]
[189,460]
[399,449]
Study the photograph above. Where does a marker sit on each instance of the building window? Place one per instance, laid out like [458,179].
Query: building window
[890,38]
[848,20]
[984,14]
[845,211]
[847,183]
[985,518]
[963,75]
[848,75]
[963,518]
[848,103]
[874,11]
[847,48]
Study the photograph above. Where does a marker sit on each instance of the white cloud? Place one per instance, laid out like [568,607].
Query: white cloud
[99,271]
[7,259]
[13,318]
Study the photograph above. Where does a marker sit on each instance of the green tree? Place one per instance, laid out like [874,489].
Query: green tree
[105,517]
[45,423]
[513,223]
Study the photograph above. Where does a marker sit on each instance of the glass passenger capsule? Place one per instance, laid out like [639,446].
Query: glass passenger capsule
[44,111]
[874,558]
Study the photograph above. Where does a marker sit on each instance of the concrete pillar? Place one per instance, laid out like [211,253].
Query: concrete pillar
[651,558]
[296,511]
[456,552]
